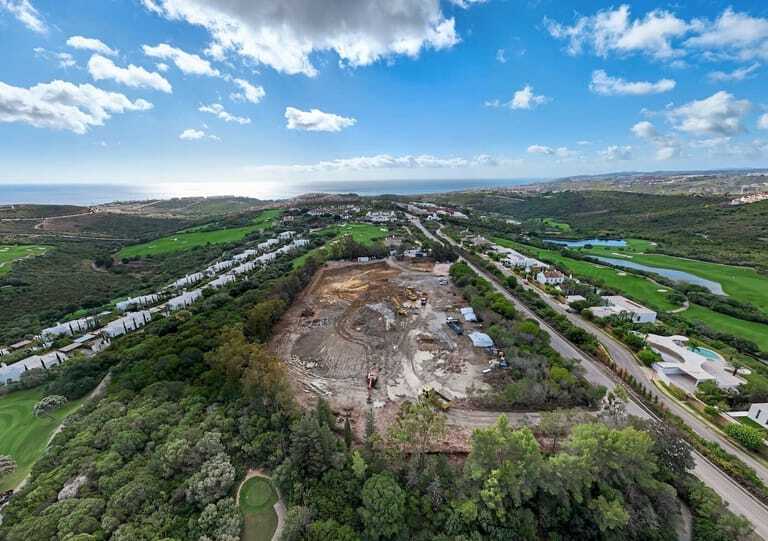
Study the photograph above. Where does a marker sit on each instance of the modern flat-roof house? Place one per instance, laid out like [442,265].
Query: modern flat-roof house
[127,323]
[380,217]
[550,277]
[220,266]
[570,299]
[221,281]
[286,235]
[184,300]
[138,302]
[188,280]
[300,243]
[616,305]
[13,372]
[70,328]
[759,414]
[684,367]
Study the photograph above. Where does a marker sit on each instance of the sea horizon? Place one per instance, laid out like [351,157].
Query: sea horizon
[81,193]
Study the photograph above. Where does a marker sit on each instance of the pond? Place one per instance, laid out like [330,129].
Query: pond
[676,275]
[610,243]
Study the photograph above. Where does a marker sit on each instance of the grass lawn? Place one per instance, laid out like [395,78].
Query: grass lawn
[741,283]
[749,422]
[257,498]
[195,237]
[365,234]
[554,224]
[637,287]
[13,252]
[24,436]
[749,330]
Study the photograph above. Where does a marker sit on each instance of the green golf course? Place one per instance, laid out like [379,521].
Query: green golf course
[24,436]
[9,253]
[192,238]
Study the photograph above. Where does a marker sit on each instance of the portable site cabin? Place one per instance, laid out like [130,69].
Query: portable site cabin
[468,314]
[481,340]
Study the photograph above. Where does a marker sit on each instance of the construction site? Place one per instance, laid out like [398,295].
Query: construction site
[376,334]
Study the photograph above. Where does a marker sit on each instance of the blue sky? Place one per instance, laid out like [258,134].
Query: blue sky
[234,91]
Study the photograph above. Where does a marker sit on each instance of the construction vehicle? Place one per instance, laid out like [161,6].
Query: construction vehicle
[436,399]
[455,326]
[399,307]
[423,300]
[411,294]
[372,379]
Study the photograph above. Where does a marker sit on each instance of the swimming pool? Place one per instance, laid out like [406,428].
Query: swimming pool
[705,352]
[610,243]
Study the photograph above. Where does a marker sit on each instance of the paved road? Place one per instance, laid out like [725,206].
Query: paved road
[740,501]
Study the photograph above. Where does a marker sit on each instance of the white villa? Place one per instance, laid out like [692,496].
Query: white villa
[219,267]
[138,302]
[13,372]
[616,305]
[380,217]
[129,322]
[188,280]
[184,300]
[759,414]
[550,277]
[70,328]
[286,235]
[221,281]
[516,260]
[686,368]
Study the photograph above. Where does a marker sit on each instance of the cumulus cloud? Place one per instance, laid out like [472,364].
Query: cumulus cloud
[26,14]
[615,31]
[762,123]
[61,105]
[604,84]
[739,34]
[190,64]
[616,153]
[562,153]
[284,35]
[501,56]
[217,110]
[524,98]
[101,67]
[739,74]
[719,114]
[644,129]
[248,92]
[316,120]
[388,161]
[541,149]
[192,134]
[667,147]
[90,44]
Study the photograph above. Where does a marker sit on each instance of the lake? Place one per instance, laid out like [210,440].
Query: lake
[610,243]
[676,275]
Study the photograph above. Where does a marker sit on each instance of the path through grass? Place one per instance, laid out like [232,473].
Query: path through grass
[24,436]
[257,500]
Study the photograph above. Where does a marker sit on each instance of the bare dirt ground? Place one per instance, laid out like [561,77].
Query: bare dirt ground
[356,317]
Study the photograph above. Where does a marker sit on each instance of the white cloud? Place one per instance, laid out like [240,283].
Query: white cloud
[190,64]
[316,120]
[191,134]
[217,110]
[738,33]
[614,30]
[26,13]
[101,67]
[739,74]
[645,130]
[465,4]
[63,60]
[61,105]
[668,152]
[616,153]
[249,92]
[562,153]
[762,123]
[521,99]
[719,114]
[90,44]
[284,35]
[604,84]
[162,66]
[501,56]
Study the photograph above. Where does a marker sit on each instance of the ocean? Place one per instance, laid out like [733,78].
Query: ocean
[93,194]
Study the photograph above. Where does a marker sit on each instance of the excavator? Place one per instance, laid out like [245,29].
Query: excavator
[372,379]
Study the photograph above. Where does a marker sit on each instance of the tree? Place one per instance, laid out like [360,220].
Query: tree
[330,530]
[673,454]
[48,404]
[212,481]
[313,448]
[220,521]
[296,521]
[7,464]
[383,510]
[749,437]
[347,433]
[615,406]
[417,426]
[261,318]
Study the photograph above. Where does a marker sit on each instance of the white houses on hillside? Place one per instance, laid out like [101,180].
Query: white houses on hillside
[218,267]
[13,372]
[70,328]
[550,277]
[759,414]
[286,235]
[127,323]
[138,302]
[267,244]
[616,305]
[221,281]
[183,300]
[188,280]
